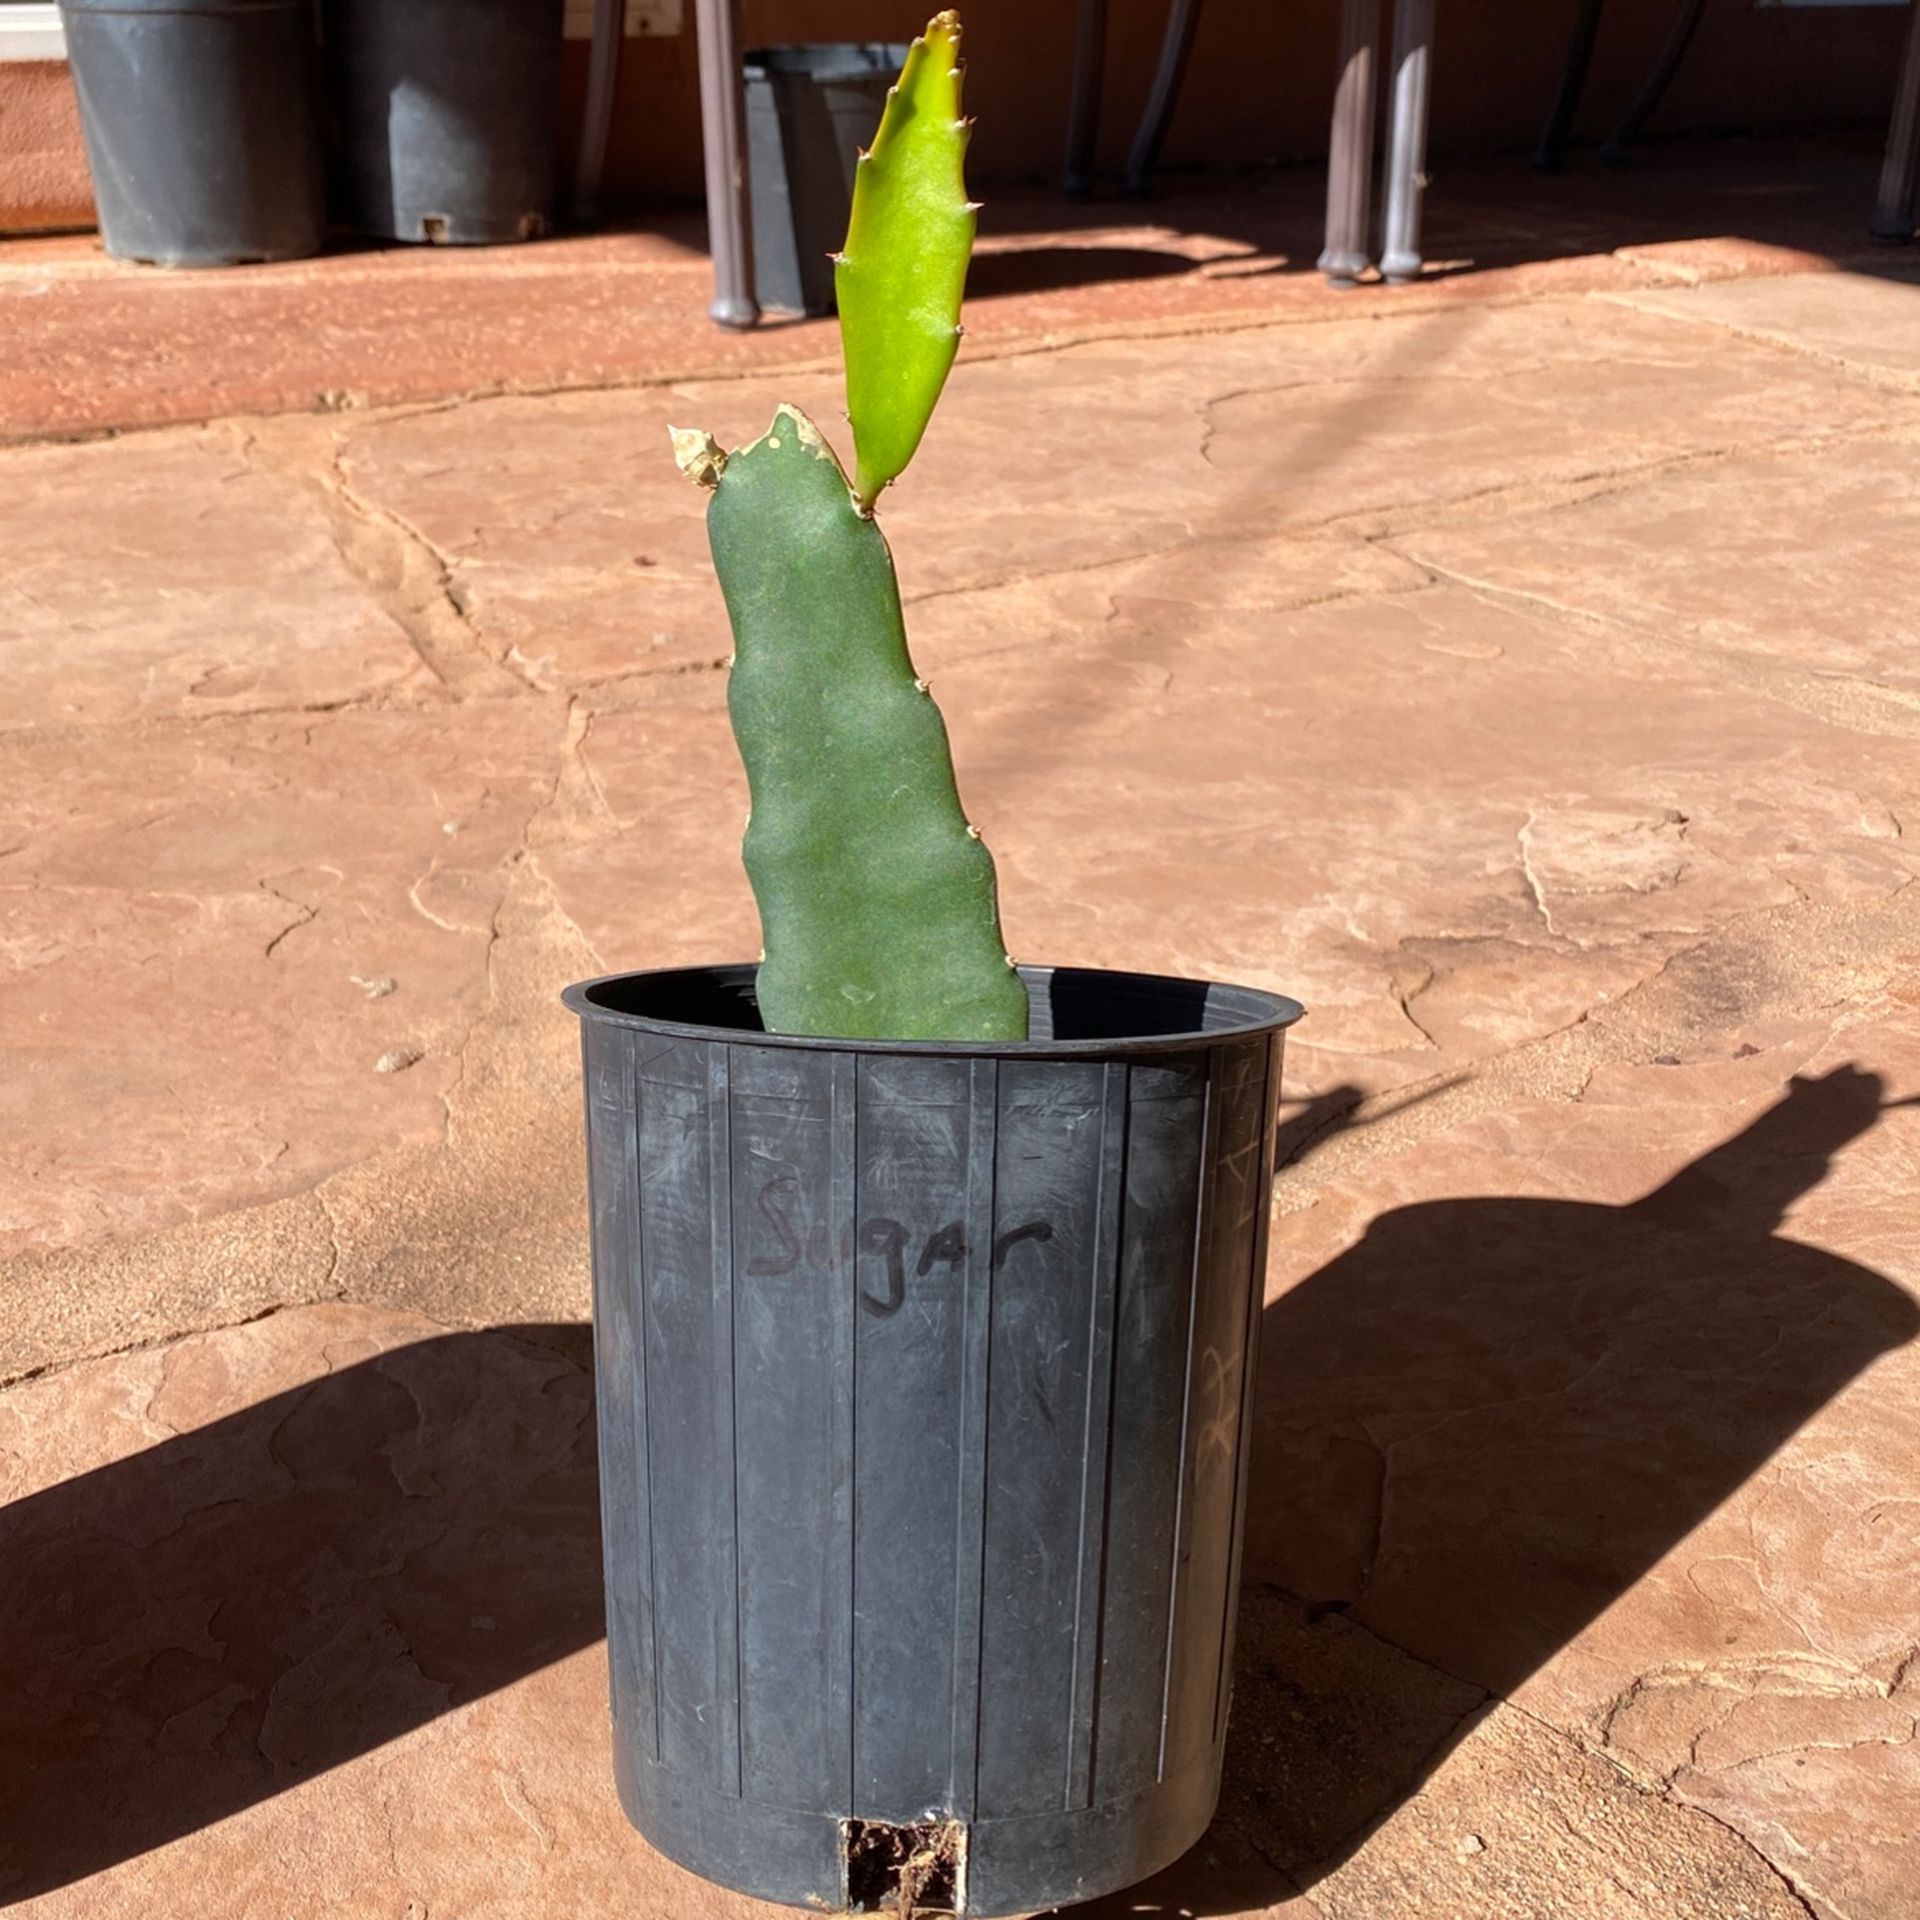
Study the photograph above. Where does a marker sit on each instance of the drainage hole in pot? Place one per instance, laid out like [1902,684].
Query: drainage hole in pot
[433,228]
[903,1870]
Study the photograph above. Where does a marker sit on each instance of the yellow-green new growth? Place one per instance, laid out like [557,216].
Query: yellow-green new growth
[900,276]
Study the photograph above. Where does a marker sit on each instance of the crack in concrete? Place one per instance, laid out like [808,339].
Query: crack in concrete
[1884,379]
[148,1343]
[1664,1789]
[525,1811]
[1583,1843]
[1788,1884]
[411,582]
[718,663]
[426,912]
[1725,978]
[1808,1674]
[1514,499]
[1419,1764]
[1629,1697]
[305,915]
[1694,1764]
[1437,374]
[408,578]
[579,719]
[1067,570]
[1902,1671]
[1404,997]
[573,749]
[1820,693]
[1291,1883]
[1665,1794]
[333,1241]
[1534,884]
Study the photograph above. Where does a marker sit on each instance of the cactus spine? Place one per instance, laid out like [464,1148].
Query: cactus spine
[877,899]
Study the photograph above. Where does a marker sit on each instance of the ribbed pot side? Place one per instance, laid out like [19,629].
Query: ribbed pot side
[443,117]
[924,1383]
[202,126]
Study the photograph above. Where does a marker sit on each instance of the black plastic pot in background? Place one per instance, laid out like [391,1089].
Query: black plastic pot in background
[809,112]
[443,117]
[924,1385]
[201,127]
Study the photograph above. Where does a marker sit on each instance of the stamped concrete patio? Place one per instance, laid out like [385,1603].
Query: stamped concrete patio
[1519,669]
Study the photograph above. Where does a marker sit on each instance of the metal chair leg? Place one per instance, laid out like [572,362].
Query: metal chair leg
[1407,140]
[1551,151]
[1176,46]
[1893,214]
[596,123]
[1679,38]
[1083,104]
[723,135]
[1350,147]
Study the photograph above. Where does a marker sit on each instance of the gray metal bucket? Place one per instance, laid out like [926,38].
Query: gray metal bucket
[809,112]
[924,1381]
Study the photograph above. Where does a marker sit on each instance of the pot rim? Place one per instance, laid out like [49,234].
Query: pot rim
[1250,1011]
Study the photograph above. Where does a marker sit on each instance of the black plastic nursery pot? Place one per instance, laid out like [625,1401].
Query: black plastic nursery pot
[201,126]
[924,1384]
[443,117]
[809,112]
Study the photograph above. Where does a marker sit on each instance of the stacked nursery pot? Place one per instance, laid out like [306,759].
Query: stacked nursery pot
[205,122]
[202,127]
[443,117]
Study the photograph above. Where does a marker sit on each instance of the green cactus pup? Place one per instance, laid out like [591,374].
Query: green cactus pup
[899,278]
[877,899]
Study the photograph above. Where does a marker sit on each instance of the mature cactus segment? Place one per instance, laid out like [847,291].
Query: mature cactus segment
[877,899]
[901,274]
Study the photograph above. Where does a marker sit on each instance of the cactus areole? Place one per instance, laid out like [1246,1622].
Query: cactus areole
[877,898]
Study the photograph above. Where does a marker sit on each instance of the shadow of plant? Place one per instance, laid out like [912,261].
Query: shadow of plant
[216,1619]
[1479,1427]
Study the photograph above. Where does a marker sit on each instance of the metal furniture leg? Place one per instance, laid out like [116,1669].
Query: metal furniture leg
[1176,46]
[1350,148]
[596,123]
[723,135]
[1407,140]
[1083,104]
[1679,37]
[1551,151]
[1893,214]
